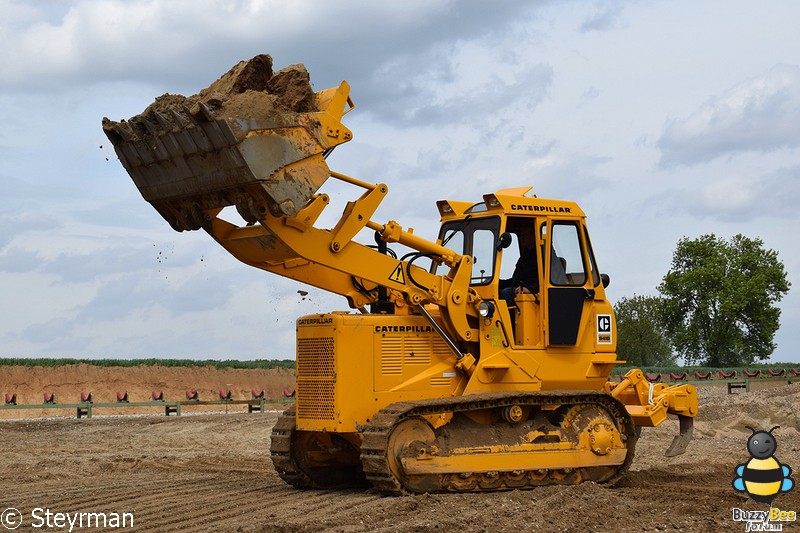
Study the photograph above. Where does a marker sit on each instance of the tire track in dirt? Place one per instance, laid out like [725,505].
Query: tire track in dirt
[105,494]
[215,505]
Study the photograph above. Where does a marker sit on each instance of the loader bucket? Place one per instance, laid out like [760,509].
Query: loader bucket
[252,139]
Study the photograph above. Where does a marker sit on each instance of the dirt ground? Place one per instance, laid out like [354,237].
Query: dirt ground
[212,472]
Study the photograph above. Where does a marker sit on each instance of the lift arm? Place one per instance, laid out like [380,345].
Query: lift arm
[291,246]
[192,157]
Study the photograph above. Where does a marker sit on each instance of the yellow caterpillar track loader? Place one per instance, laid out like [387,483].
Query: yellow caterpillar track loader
[450,372]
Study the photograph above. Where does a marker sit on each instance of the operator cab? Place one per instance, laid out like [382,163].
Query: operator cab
[537,269]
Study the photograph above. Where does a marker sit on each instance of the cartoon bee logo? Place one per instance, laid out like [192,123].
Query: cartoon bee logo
[762,477]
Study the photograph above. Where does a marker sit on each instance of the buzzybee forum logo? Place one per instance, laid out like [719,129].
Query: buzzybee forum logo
[763,478]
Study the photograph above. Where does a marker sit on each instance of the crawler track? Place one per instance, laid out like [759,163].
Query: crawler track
[313,460]
[380,460]
[280,451]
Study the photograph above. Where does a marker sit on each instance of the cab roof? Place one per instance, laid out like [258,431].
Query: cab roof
[511,202]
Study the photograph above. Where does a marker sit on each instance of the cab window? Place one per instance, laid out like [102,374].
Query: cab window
[476,238]
[593,264]
[566,255]
[483,250]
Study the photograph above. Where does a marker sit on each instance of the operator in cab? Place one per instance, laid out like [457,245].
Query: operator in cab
[525,279]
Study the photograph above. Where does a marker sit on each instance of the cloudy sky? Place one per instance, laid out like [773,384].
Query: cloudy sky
[661,119]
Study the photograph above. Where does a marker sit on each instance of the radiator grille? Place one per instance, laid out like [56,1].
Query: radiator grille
[315,378]
[315,357]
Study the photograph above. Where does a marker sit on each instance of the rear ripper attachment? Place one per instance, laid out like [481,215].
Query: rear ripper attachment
[649,404]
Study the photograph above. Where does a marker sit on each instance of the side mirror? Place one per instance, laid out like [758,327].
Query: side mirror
[504,241]
[605,279]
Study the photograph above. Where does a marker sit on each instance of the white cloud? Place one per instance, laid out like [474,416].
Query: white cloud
[607,17]
[454,99]
[186,41]
[760,114]
[729,193]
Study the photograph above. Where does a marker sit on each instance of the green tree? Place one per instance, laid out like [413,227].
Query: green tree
[641,338]
[719,300]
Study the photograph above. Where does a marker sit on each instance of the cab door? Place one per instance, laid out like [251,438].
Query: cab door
[568,285]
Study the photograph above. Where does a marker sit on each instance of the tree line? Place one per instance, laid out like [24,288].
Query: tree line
[716,307]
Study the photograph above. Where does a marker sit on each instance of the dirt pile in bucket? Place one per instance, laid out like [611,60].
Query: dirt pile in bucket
[248,90]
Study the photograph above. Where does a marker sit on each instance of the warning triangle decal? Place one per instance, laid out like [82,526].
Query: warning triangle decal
[397,275]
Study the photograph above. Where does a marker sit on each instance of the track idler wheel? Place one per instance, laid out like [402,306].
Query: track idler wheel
[310,459]
[328,459]
[602,436]
[406,440]
[592,427]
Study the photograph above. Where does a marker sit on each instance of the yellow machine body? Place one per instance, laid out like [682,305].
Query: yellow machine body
[402,359]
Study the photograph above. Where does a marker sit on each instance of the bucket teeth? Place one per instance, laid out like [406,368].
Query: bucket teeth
[182,121]
[150,127]
[121,134]
[163,121]
[201,112]
[138,127]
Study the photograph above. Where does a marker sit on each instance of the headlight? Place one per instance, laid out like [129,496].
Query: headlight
[486,309]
